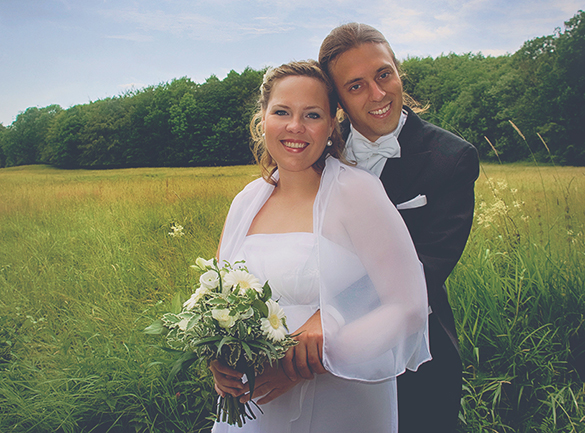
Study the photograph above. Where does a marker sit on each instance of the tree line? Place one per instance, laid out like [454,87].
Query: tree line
[540,89]
[530,104]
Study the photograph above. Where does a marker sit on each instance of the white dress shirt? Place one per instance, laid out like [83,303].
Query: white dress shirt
[370,155]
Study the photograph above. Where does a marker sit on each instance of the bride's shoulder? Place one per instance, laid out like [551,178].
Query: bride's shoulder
[355,178]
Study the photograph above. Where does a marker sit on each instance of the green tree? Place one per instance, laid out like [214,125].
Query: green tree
[64,138]
[2,138]
[25,139]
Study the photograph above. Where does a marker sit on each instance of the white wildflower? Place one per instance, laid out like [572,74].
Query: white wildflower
[177,230]
[273,325]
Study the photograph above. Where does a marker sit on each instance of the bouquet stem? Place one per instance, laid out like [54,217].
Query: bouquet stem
[230,410]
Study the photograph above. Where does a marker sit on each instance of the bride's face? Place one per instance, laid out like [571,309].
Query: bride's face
[297,122]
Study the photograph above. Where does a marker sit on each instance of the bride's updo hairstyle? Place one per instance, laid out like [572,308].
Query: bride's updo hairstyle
[309,68]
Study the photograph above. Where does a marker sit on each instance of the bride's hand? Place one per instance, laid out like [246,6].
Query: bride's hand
[305,357]
[227,380]
[272,383]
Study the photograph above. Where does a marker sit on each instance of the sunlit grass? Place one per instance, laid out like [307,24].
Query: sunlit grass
[87,262]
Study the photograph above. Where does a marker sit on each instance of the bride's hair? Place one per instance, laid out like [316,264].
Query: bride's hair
[309,68]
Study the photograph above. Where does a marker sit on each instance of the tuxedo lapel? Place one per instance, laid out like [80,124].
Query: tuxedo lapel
[400,175]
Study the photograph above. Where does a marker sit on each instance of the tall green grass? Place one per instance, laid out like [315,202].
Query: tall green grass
[519,301]
[86,262]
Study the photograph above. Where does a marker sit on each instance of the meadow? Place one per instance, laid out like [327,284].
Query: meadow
[88,259]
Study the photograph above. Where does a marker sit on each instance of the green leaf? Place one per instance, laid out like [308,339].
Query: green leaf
[218,301]
[224,340]
[182,363]
[242,308]
[156,328]
[169,349]
[247,350]
[192,321]
[172,318]
[266,292]
[263,345]
[177,304]
[206,340]
[261,307]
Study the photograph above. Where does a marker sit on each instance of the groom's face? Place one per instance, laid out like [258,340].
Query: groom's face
[369,88]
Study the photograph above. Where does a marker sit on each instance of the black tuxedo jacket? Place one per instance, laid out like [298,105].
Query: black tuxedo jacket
[443,167]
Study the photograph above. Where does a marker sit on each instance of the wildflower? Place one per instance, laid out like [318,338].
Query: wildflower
[177,230]
[273,325]
[242,280]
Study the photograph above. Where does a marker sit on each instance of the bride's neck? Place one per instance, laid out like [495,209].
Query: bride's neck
[298,184]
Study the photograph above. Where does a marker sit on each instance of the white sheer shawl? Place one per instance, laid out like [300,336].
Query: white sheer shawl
[372,289]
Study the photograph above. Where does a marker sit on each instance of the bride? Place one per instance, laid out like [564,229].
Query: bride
[340,262]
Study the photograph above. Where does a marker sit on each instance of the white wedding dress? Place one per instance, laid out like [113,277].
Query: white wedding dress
[363,274]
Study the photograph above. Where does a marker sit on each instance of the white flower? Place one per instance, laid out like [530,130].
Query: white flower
[209,279]
[195,297]
[244,280]
[223,318]
[273,326]
[177,230]
[203,264]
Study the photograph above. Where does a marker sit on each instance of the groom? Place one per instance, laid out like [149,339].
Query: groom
[429,174]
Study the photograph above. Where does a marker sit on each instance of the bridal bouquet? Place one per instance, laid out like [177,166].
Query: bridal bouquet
[229,317]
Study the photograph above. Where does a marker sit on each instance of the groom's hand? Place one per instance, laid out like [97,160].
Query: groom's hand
[306,357]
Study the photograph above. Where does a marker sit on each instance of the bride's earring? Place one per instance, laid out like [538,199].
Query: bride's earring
[329,143]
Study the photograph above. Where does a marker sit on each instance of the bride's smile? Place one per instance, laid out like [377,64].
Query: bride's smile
[297,123]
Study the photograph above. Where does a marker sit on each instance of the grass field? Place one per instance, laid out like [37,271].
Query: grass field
[87,261]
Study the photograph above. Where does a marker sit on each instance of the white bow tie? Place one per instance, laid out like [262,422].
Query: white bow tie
[372,156]
[387,147]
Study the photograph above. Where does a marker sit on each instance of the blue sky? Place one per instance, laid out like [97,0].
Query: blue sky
[71,52]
